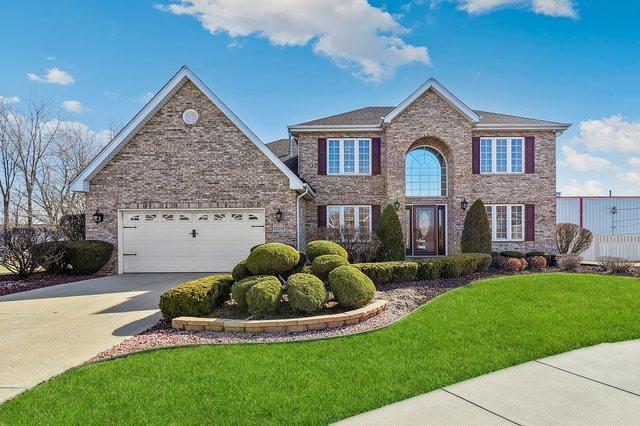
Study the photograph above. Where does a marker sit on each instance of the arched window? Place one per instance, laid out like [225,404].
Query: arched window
[425,173]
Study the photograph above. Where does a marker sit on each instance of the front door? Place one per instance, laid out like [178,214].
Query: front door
[425,235]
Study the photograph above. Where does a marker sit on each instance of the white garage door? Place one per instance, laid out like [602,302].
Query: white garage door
[189,240]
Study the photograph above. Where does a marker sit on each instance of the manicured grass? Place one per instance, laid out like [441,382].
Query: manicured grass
[484,327]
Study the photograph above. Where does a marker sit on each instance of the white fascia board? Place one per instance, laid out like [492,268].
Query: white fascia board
[81,182]
[326,128]
[432,83]
[500,126]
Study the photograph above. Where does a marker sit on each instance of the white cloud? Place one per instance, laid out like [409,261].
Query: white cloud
[635,162]
[72,106]
[558,8]
[99,137]
[352,33]
[610,134]
[54,75]
[49,58]
[589,187]
[9,99]
[631,177]
[581,162]
[112,95]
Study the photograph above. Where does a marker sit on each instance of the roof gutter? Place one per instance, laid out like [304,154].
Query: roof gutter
[497,126]
[335,128]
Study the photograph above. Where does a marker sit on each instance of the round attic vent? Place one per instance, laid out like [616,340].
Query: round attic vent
[190,116]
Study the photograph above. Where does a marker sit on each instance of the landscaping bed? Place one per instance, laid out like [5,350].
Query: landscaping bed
[10,284]
[403,299]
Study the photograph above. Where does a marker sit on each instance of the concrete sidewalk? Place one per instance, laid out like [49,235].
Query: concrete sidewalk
[595,385]
[46,331]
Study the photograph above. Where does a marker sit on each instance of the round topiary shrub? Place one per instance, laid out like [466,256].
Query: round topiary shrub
[298,268]
[306,292]
[86,257]
[272,259]
[263,298]
[240,271]
[351,288]
[239,289]
[323,247]
[326,263]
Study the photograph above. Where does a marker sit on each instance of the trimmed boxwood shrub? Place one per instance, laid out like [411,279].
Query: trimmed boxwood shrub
[464,264]
[272,259]
[306,292]
[239,289]
[539,253]
[322,265]
[263,298]
[86,257]
[351,288]
[430,269]
[323,247]
[240,271]
[512,253]
[296,269]
[476,234]
[386,272]
[390,234]
[193,298]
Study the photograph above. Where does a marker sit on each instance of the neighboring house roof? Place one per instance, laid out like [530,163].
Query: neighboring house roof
[373,117]
[81,182]
[280,148]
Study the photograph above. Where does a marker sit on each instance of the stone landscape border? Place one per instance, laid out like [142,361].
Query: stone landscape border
[281,325]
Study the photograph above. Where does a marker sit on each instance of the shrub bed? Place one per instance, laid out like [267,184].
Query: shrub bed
[194,298]
[385,272]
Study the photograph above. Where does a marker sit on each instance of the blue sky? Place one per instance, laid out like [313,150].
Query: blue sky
[279,62]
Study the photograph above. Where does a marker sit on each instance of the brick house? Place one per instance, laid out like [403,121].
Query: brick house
[187,186]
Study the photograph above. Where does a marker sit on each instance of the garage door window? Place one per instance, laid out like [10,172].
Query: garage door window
[150,217]
[236,216]
[203,218]
[219,216]
[167,217]
[184,218]
[135,218]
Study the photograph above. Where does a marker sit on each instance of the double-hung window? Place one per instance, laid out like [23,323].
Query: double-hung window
[506,221]
[501,155]
[358,217]
[349,156]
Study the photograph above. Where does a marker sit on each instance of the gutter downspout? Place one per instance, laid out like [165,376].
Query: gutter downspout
[306,191]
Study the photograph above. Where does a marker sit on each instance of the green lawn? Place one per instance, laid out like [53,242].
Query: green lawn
[484,327]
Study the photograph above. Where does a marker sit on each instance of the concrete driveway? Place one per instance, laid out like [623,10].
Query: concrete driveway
[591,386]
[47,331]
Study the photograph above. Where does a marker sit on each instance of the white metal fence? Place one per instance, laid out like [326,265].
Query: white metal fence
[619,245]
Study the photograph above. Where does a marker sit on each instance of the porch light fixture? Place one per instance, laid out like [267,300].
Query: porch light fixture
[397,205]
[98,217]
[464,204]
[279,215]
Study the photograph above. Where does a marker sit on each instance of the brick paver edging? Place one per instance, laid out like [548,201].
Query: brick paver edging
[281,325]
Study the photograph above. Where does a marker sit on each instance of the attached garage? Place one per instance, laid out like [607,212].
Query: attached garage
[188,240]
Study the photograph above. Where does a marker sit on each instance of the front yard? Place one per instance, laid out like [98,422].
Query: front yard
[470,331]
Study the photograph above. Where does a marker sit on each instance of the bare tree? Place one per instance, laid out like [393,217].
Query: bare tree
[570,238]
[32,131]
[8,164]
[72,149]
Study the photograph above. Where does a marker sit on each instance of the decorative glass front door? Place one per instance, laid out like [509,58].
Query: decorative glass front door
[426,233]
[424,230]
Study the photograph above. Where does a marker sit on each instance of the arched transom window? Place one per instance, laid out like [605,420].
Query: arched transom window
[425,173]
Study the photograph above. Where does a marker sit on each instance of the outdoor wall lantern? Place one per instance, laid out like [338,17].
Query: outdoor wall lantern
[397,205]
[464,204]
[279,215]
[98,217]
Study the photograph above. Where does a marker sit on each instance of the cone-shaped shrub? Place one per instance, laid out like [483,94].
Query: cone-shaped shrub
[476,234]
[389,232]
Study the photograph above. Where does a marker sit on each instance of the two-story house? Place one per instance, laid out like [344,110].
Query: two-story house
[187,186]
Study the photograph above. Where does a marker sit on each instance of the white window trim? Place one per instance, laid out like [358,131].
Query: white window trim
[356,209]
[494,226]
[356,156]
[494,165]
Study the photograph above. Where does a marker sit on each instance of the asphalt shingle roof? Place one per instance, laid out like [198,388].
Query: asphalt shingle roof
[280,148]
[371,116]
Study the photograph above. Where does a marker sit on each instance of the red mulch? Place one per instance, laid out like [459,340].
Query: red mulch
[11,284]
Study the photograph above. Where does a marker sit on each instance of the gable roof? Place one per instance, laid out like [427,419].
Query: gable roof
[82,182]
[280,148]
[432,83]
[374,117]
